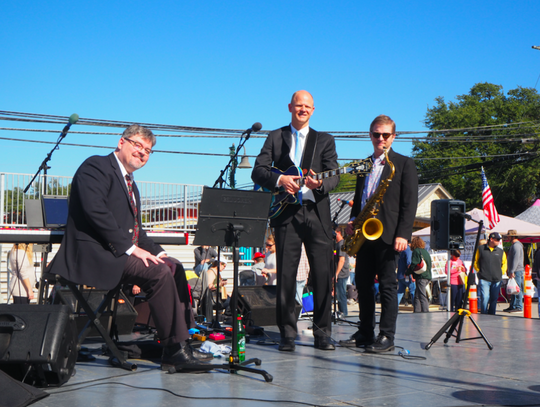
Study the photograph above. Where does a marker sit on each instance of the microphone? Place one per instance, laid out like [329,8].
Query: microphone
[255,128]
[344,202]
[74,118]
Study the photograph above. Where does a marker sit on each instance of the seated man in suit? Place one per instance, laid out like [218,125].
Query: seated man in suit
[104,244]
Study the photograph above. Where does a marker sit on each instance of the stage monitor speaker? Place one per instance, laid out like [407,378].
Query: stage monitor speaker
[447,224]
[125,314]
[38,343]
[257,304]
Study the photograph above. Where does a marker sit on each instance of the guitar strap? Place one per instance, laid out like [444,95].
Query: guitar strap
[309,152]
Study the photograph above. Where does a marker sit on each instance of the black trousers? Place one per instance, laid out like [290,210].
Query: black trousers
[305,227]
[167,296]
[376,258]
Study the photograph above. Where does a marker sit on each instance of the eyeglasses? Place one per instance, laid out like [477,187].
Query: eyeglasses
[378,135]
[139,147]
[269,244]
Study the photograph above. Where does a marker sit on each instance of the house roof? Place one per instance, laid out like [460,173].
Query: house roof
[425,191]
[531,215]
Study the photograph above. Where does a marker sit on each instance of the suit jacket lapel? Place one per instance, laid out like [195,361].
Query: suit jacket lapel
[121,179]
[286,138]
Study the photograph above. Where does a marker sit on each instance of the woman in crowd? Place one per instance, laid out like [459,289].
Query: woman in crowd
[420,257]
[22,276]
[456,268]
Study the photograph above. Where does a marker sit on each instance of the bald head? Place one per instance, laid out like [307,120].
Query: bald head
[301,108]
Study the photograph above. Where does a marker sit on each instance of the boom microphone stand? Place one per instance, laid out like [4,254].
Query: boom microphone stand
[72,120]
[456,322]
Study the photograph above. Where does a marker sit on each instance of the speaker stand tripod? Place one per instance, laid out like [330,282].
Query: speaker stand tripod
[456,322]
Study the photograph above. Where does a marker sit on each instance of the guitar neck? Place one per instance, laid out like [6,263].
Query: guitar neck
[329,174]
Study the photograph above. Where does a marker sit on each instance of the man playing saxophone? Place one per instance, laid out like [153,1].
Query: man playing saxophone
[397,203]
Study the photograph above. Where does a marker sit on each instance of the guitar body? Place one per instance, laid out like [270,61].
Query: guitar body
[281,198]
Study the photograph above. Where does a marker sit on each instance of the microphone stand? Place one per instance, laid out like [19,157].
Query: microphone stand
[456,322]
[233,158]
[335,317]
[72,120]
[256,127]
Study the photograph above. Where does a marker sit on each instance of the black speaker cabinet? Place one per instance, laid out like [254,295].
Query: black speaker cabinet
[125,314]
[38,343]
[447,224]
[257,304]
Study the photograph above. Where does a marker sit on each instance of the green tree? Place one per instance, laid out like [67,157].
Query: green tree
[497,131]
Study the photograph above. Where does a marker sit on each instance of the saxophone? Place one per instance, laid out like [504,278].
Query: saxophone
[366,225]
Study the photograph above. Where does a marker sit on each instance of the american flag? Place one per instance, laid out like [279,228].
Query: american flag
[487,202]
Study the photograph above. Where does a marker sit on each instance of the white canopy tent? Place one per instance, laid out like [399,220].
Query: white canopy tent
[527,231]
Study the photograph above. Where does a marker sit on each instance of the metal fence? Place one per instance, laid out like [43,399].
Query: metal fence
[164,206]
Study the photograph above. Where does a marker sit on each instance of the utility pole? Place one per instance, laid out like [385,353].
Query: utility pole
[234,164]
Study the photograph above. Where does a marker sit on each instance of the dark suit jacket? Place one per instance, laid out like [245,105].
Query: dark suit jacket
[275,153]
[100,225]
[398,211]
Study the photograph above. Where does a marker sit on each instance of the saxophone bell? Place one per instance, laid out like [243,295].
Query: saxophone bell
[372,229]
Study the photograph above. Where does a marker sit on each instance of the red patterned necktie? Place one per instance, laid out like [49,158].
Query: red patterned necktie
[135,238]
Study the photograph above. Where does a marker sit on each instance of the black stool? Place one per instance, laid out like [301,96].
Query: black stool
[108,304]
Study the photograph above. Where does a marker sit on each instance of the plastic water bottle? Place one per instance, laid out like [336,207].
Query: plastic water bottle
[241,339]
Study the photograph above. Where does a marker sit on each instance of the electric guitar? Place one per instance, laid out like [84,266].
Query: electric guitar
[281,198]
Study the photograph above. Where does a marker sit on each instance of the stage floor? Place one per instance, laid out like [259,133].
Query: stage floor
[452,374]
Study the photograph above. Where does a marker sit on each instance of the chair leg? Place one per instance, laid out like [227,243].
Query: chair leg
[118,357]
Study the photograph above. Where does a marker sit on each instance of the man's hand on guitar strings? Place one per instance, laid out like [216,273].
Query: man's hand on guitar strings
[290,184]
[311,183]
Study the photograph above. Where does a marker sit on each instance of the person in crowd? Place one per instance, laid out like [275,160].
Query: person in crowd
[258,263]
[405,281]
[291,147]
[270,268]
[104,243]
[420,257]
[22,278]
[342,273]
[516,270]
[490,263]
[212,278]
[379,257]
[204,256]
[457,288]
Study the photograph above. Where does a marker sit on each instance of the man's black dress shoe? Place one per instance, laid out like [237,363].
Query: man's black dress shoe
[287,345]
[357,339]
[197,354]
[323,343]
[382,344]
[177,355]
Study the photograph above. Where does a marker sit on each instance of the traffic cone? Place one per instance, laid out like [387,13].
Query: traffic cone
[473,300]
[528,293]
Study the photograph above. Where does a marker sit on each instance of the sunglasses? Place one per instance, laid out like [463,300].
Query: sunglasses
[378,135]
[269,244]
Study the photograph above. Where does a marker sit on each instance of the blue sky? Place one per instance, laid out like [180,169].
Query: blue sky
[230,64]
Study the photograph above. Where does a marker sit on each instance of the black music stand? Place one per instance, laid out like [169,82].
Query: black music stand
[231,217]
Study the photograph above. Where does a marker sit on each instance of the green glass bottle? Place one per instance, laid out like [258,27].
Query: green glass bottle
[241,339]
